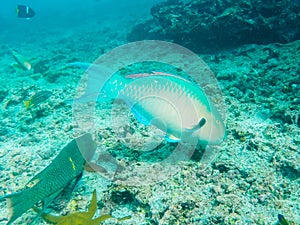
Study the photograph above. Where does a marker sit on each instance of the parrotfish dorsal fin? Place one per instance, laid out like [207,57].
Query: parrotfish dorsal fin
[154,73]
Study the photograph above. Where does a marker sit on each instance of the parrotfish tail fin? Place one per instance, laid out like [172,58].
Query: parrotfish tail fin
[102,84]
[19,203]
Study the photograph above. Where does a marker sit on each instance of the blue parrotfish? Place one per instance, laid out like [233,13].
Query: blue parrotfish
[173,104]
[61,174]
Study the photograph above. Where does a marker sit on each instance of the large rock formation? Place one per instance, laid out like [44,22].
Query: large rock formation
[218,24]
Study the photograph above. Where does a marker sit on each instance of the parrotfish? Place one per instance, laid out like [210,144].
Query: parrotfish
[64,171]
[175,105]
[22,61]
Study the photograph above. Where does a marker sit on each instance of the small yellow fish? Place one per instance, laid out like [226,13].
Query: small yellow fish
[37,98]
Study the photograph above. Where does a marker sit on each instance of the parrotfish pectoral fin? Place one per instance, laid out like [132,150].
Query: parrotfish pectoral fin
[171,138]
[19,203]
[197,127]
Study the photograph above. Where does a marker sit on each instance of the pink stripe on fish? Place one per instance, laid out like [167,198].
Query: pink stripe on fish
[154,73]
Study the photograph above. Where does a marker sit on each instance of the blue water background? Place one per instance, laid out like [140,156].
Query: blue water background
[66,14]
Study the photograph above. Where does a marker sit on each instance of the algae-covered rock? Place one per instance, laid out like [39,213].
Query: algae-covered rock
[209,24]
[3,94]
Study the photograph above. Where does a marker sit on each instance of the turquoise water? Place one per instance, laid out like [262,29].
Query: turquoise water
[249,178]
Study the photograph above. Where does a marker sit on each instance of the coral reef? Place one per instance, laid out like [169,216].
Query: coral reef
[203,25]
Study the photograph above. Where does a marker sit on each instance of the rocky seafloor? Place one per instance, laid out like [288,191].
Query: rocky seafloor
[250,178]
[205,25]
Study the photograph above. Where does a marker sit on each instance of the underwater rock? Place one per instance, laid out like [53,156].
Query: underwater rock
[209,25]
[3,94]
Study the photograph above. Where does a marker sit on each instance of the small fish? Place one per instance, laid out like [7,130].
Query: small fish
[282,220]
[24,11]
[78,218]
[37,98]
[65,170]
[173,104]
[22,62]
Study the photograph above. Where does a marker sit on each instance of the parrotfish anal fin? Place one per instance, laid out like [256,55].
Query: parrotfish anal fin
[199,125]
[140,117]
[171,138]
